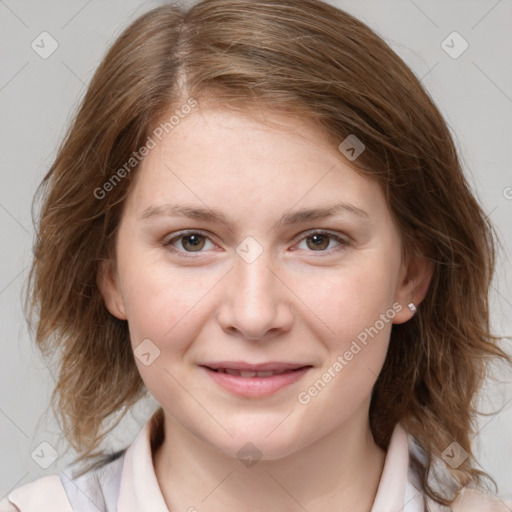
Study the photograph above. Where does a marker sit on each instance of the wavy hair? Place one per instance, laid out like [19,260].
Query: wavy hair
[317,62]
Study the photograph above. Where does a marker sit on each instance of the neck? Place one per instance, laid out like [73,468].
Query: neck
[340,471]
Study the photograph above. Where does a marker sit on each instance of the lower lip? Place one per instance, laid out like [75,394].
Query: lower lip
[255,386]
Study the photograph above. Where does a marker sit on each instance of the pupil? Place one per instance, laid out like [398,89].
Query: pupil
[319,241]
[192,241]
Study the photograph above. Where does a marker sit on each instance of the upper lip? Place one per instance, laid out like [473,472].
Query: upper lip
[260,367]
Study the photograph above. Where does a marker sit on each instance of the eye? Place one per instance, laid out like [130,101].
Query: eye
[191,241]
[319,241]
[195,241]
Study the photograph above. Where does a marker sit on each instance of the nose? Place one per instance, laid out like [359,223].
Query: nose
[256,302]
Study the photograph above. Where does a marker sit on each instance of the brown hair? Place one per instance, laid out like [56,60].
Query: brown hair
[318,62]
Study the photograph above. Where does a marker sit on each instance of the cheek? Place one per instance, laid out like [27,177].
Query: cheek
[355,354]
[348,300]
[167,306]
[158,295]
[163,316]
[353,316]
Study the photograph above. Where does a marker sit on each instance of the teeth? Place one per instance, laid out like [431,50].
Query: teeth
[249,373]
[265,374]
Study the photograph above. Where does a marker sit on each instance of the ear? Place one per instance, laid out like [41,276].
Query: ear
[109,286]
[415,276]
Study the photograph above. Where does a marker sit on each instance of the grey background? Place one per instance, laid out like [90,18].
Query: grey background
[38,97]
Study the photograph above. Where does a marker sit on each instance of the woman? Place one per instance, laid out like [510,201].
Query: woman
[259,216]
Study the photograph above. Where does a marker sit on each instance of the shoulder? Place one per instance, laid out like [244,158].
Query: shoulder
[467,500]
[46,493]
[7,506]
[96,488]
[472,500]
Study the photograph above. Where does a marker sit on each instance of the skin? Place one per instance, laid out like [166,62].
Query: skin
[294,303]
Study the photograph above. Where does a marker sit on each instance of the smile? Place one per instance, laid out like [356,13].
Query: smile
[252,383]
[248,373]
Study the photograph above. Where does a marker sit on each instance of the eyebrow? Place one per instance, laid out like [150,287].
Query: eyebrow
[213,215]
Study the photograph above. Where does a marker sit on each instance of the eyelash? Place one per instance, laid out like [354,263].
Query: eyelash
[343,242]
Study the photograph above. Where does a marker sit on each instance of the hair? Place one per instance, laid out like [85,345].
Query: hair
[319,63]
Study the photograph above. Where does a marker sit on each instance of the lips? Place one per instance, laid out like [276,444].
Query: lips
[249,373]
[248,370]
[254,380]
[270,366]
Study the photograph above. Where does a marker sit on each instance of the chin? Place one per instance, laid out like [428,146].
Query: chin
[258,444]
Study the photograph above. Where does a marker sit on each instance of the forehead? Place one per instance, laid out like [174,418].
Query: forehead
[264,134]
[222,158]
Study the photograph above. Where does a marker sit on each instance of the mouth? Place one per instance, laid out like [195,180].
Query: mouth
[254,380]
[244,369]
[251,373]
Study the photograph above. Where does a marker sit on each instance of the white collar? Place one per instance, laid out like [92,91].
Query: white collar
[140,490]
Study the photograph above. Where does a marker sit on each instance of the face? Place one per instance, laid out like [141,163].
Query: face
[227,257]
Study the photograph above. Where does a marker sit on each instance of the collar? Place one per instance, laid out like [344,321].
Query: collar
[140,490]
[391,491]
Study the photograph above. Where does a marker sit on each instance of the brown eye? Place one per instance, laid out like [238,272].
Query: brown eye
[188,242]
[192,243]
[318,242]
[321,242]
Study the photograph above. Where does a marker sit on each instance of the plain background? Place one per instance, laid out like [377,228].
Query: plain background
[38,98]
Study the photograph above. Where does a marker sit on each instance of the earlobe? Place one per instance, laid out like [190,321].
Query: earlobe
[109,288]
[411,291]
